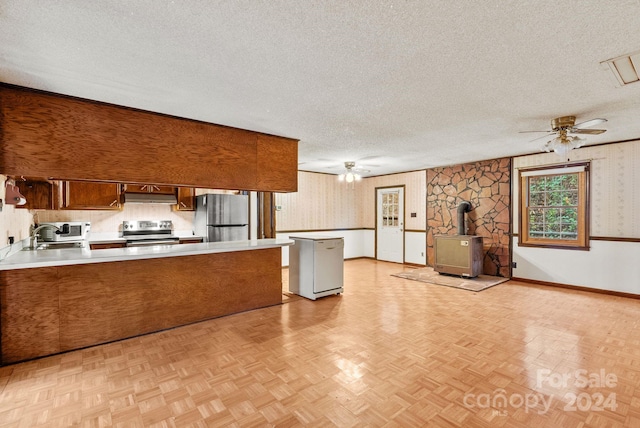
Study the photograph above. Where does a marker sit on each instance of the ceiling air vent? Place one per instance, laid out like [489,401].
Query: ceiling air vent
[625,68]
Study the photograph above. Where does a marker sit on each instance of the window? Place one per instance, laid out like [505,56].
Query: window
[554,205]
[390,203]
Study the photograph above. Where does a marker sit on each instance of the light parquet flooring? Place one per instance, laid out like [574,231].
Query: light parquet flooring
[387,353]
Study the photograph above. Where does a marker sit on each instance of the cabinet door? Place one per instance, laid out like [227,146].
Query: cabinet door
[108,245]
[87,195]
[39,193]
[186,199]
[149,188]
[190,240]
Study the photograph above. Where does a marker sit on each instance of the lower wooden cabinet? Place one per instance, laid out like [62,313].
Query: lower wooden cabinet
[107,245]
[88,195]
[55,309]
[194,240]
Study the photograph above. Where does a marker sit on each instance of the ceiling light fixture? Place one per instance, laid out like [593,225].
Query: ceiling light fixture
[564,143]
[349,175]
[562,126]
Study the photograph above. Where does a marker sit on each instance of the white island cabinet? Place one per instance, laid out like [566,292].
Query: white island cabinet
[316,266]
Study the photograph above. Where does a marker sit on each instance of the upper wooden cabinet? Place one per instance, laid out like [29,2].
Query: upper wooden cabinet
[148,188]
[186,199]
[87,195]
[41,194]
[51,135]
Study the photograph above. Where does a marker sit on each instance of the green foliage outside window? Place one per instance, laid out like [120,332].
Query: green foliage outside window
[553,206]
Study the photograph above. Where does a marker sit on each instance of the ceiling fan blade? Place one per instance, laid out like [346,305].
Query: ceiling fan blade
[526,132]
[587,131]
[544,136]
[589,123]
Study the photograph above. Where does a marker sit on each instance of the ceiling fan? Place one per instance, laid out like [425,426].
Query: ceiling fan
[564,125]
[352,173]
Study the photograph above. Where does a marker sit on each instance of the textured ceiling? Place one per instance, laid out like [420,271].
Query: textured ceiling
[394,85]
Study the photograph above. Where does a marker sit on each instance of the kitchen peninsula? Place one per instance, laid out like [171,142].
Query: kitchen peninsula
[58,300]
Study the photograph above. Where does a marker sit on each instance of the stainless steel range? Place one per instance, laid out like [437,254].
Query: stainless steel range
[149,232]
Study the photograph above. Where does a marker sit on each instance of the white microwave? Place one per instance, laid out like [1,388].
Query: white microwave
[66,231]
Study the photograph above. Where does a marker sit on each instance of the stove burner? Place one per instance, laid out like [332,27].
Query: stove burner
[149,232]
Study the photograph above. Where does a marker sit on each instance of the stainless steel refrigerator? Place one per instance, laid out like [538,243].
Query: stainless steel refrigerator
[221,217]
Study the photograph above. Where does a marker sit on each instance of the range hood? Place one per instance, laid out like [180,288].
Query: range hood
[149,198]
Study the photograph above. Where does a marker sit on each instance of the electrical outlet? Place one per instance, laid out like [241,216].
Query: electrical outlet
[11,239]
[422,254]
[514,265]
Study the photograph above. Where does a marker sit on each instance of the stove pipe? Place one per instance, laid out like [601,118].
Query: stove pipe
[464,207]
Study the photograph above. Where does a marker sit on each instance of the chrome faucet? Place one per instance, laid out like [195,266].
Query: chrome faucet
[33,238]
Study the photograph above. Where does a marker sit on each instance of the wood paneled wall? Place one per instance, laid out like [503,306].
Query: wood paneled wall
[50,135]
[322,202]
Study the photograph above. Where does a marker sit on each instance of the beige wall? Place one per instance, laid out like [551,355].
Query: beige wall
[324,203]
[415,194]
[320,203]
[611,263]
[614,182]
[111,221]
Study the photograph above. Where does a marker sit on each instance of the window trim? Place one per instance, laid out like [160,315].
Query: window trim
[582,242]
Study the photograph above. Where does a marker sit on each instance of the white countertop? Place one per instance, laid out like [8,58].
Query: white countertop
[75,256]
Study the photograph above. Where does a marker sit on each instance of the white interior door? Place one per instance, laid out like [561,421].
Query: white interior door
[390,224]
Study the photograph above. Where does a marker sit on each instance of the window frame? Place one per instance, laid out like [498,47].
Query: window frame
[582,241]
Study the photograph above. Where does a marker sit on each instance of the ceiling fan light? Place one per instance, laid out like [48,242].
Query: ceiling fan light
[578,142]
[562,149]
[358,177]
[350,177]
[341,177]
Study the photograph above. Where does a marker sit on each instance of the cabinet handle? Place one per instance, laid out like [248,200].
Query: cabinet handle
[154,187]
[113,203]
[183,204]
[144,187]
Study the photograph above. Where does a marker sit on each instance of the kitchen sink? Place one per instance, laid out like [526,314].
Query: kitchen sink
[55,246]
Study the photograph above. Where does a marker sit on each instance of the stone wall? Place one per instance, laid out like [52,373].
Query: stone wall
[486,185]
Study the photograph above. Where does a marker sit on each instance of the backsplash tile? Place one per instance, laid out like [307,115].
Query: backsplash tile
[111,221]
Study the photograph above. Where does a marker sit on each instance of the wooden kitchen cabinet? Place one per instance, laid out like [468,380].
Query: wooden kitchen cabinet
[88,195]
[148,188]
[40,193]
[186,199]
[191,240]
[209,156]
[107,245]
[48,310]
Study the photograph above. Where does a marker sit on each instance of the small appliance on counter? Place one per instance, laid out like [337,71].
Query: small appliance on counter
[70,231]
[222,217]
[63,234]
[149,232]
